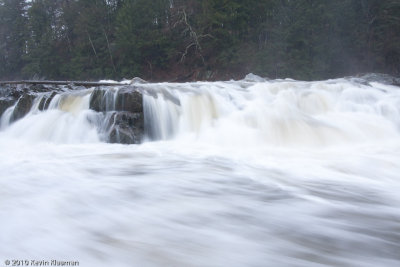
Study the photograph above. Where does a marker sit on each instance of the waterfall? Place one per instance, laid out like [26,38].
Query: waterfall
[72,116]
[253,172]
[275,113]
[67,120]
[242,113]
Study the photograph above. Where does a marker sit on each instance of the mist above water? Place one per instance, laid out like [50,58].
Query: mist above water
[239,173]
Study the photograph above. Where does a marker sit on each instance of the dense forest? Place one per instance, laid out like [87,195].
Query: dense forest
[197,39]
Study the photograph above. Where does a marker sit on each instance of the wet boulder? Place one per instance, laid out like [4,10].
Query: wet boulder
[125,127]
[119,135]
[137,80]
[123,112]
[378,77]
[5,103]
[45,101]
[23,106]
[96,100]
[39,88]
[129,99]
[125,99]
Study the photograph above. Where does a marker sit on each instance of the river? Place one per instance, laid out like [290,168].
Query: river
[237,173]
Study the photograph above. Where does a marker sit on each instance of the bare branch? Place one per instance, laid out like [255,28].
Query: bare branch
[109,51]
[94,50]
[194,37]
[186,51]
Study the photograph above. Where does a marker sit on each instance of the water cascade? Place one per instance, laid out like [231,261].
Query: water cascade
[248,113]
[78,116]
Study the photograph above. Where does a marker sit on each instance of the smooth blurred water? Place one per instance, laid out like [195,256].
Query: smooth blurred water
[246,173]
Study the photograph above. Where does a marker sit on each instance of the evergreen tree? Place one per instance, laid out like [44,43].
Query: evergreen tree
[141,39]
[41,58]
[191,39]
[12,36]
[93,39]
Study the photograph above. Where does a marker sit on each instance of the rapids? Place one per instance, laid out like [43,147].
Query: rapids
[238,173]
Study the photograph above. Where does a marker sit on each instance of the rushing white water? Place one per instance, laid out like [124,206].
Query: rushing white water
[240,173]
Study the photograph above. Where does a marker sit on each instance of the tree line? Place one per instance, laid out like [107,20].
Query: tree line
[197,39]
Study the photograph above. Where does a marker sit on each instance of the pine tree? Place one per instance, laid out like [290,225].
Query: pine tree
[12,37]
[141,38]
